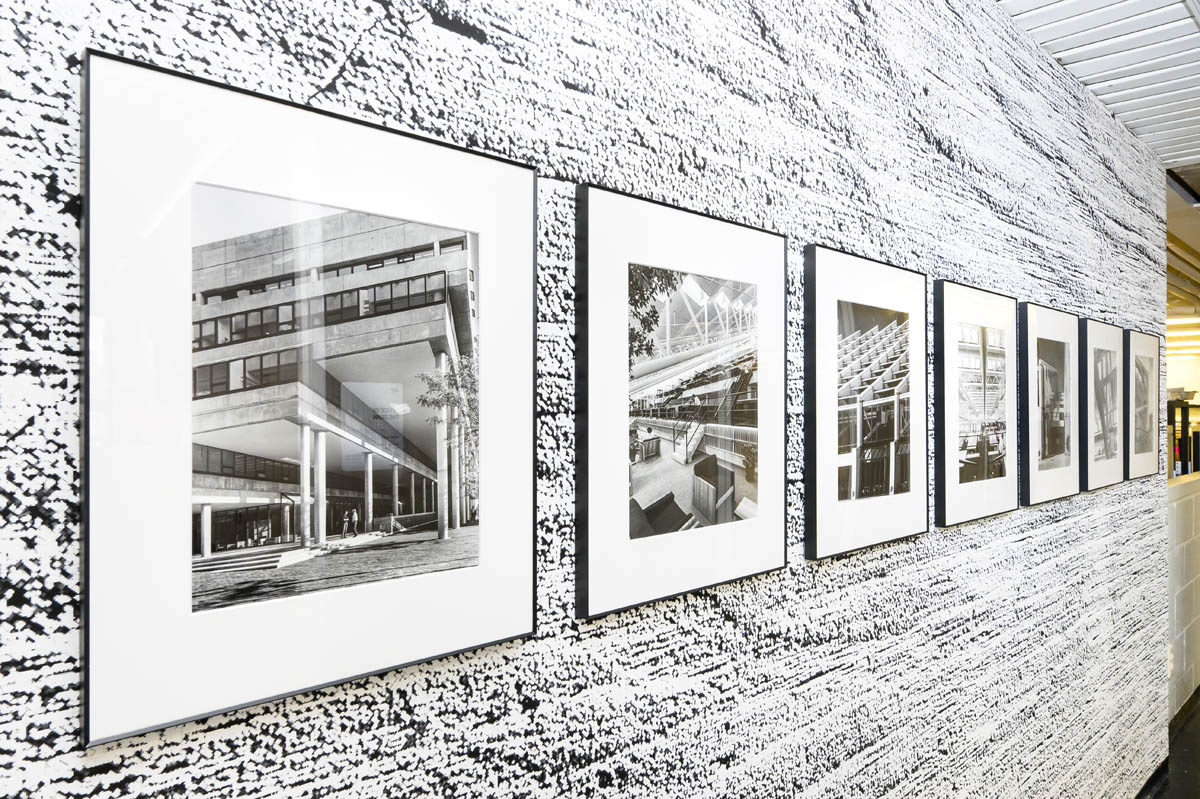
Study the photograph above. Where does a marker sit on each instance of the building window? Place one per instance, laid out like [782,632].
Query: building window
[454,245]
[329,309]
[238,327]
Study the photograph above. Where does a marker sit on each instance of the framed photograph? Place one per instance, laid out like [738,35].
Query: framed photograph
[975,402]
[1101,400]
[1049,396]
[309,386]
[866,473]
[679,401]
[1142,404]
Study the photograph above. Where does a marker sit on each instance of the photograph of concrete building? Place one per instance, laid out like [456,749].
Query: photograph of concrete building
[1145,404]
[334,416]
[873,401]
[693,401]
[1106,404]
[982,397]
[1053,397]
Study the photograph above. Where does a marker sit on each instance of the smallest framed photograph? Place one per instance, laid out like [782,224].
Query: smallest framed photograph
[1102,402]
[1049,400]
[1141,404]
[975,398]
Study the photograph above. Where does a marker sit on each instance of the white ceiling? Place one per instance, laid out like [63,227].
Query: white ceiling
[1140,57]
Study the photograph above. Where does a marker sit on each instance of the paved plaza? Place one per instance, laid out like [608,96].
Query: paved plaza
[386,559]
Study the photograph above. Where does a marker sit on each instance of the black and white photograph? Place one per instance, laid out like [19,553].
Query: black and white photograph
[1102,404]
[680,369]
[1142,396]
[329,410]
[873,397]
[693,401]
[1049,402]
[975,415]
[328,404]
[865,464]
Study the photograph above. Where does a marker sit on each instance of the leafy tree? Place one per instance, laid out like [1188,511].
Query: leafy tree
[647,285]
[459,389]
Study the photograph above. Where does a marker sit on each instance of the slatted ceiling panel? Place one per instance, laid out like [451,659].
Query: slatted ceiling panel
[1160,89]
[1072,17]
[1151,78]
[1140,57]
[1186,51]
[1156,113]
[1168,136]
[1151,20]
[1129,41]
[1135,58]
[1182,119]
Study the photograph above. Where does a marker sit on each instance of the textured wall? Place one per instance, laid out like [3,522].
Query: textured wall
[1019,657]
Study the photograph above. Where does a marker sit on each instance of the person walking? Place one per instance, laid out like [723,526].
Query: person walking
[354,520]
[345,522]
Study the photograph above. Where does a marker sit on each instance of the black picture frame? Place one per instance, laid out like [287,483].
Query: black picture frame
[1085,397]
[90,56]
[1127,393]
[942,439]
[1023,403]
[810,457]
[585,609]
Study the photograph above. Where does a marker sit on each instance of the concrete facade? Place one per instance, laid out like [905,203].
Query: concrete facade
[286,292]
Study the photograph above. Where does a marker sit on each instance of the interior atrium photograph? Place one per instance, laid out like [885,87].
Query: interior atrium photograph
[569,398]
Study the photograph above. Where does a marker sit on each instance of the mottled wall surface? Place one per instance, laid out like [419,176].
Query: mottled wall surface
[1024,656]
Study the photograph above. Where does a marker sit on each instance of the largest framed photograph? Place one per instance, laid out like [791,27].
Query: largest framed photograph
[866,474]
[309,386]
[679,401]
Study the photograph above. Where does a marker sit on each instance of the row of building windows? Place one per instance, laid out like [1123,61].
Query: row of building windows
[328,309]
[211,460]
[279,368]
[404,256]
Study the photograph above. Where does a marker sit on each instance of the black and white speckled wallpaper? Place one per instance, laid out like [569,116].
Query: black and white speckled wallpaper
[1024,656]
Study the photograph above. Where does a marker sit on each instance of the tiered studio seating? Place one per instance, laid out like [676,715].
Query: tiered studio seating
[874,364]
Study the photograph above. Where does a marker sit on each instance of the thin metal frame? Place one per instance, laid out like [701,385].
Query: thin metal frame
[1085,423]
[1126,386]
[582,376]
[1023,401]
[85,280]
[940,429]
[811,477]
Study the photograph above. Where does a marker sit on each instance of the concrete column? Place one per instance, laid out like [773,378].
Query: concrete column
[285,515]
[443,455]
[412,492]
[461,500]
[205,530]
[395,490]
[454,489]
[305,484]
[368,488]
[321,508]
